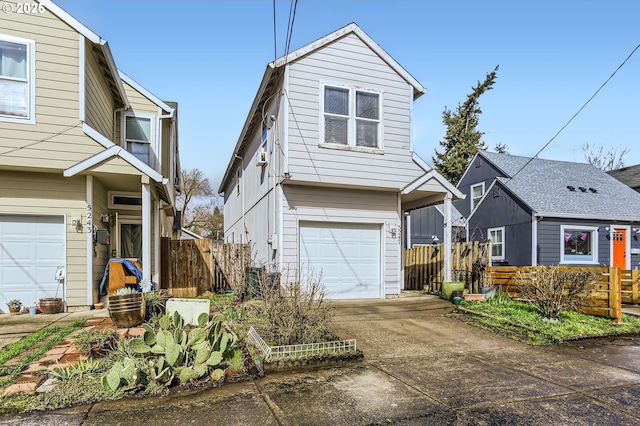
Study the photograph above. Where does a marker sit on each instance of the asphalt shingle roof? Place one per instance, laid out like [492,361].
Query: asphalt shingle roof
[542,185]
[628,175]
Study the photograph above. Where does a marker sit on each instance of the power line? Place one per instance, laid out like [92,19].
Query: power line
[275,39]
[292,18]
[576,114]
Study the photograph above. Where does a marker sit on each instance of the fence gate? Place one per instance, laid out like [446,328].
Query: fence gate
[190,268]
[424,265]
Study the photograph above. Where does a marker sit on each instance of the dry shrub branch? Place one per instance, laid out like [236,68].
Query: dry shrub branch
[294,305]
[552,289]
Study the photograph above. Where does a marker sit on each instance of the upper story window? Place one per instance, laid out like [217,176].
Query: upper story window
[351,117]
[138,136]
[17,80]
[579,244]
[477,191]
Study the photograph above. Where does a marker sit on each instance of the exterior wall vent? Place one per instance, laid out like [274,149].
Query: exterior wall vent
[478,162]
[496,192]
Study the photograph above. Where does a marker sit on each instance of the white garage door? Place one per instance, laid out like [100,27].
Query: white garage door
[31,248]
[348,255]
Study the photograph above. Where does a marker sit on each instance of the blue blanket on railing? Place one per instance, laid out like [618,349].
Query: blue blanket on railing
[128,266]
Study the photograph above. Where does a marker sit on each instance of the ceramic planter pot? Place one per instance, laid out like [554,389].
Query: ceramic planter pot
[449,287]
[50,305]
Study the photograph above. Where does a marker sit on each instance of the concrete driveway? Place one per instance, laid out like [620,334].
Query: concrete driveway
[420,368]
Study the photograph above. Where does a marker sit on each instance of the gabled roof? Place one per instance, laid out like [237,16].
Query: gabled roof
[630,176]
[543,185]
[272,78]
[153,98]
[352,28]
[100,48]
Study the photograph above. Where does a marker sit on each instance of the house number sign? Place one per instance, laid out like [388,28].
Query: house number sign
[89,216]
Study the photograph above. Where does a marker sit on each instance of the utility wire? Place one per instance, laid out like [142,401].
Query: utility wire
[275,39]
[292,18]
[41,140]
[576,114]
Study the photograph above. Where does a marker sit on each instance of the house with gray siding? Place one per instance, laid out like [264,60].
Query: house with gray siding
[323,170]
[629,175]
[549,212]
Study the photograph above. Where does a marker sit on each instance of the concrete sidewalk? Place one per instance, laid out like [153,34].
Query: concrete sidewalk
[420,367]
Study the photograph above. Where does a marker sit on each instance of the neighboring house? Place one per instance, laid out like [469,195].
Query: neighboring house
[88,161]
[426,226]
[630,176]
[550,212]
[185,234]
[323,170]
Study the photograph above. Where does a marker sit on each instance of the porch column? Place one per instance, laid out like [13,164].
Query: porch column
[146,229]
[447,237]
[89,232]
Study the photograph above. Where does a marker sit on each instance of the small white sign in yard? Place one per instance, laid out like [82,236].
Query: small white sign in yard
[190,309]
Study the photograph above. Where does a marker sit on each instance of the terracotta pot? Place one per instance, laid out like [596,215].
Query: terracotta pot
[50,305]
[14,311]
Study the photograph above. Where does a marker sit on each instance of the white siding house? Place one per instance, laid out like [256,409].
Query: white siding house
[323,171]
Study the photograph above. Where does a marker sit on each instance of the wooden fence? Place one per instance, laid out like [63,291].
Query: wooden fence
[424,266]
[614,287]
[192,267]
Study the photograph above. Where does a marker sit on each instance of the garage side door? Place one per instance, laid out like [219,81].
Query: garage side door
[31,247]
[347,255]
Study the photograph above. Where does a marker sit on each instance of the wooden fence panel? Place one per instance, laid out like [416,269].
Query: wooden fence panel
[424,266]
[193,267]
[630,283]
[605,299]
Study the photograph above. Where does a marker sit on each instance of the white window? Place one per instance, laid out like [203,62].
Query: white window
[477,191]
[578,244]
[17,80]
[351,117]
[496,235]
[138,132]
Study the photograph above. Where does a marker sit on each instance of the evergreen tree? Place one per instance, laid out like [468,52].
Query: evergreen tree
[462,140]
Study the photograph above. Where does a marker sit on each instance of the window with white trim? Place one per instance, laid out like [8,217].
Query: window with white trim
[578,244]
[17,79]
[138,135]
[496,235]
[351,117]
[477,191]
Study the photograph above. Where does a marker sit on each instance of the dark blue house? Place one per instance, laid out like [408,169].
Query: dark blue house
[549,212]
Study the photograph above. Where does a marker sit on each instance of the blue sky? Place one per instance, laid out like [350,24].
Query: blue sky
[209,56]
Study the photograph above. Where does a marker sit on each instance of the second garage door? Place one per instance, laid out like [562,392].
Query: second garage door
[348,255]
[31,248]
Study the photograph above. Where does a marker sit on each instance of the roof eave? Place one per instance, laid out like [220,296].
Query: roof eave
[237,150]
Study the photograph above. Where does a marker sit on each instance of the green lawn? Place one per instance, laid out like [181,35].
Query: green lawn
[520,321]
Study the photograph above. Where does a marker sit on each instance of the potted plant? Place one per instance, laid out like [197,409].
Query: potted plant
[127,308]
[458,284]
[14,306]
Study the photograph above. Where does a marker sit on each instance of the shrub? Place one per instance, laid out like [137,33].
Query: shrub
[295,309]
[552,289]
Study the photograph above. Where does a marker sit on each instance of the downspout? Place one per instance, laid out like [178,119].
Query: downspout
[534,239]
